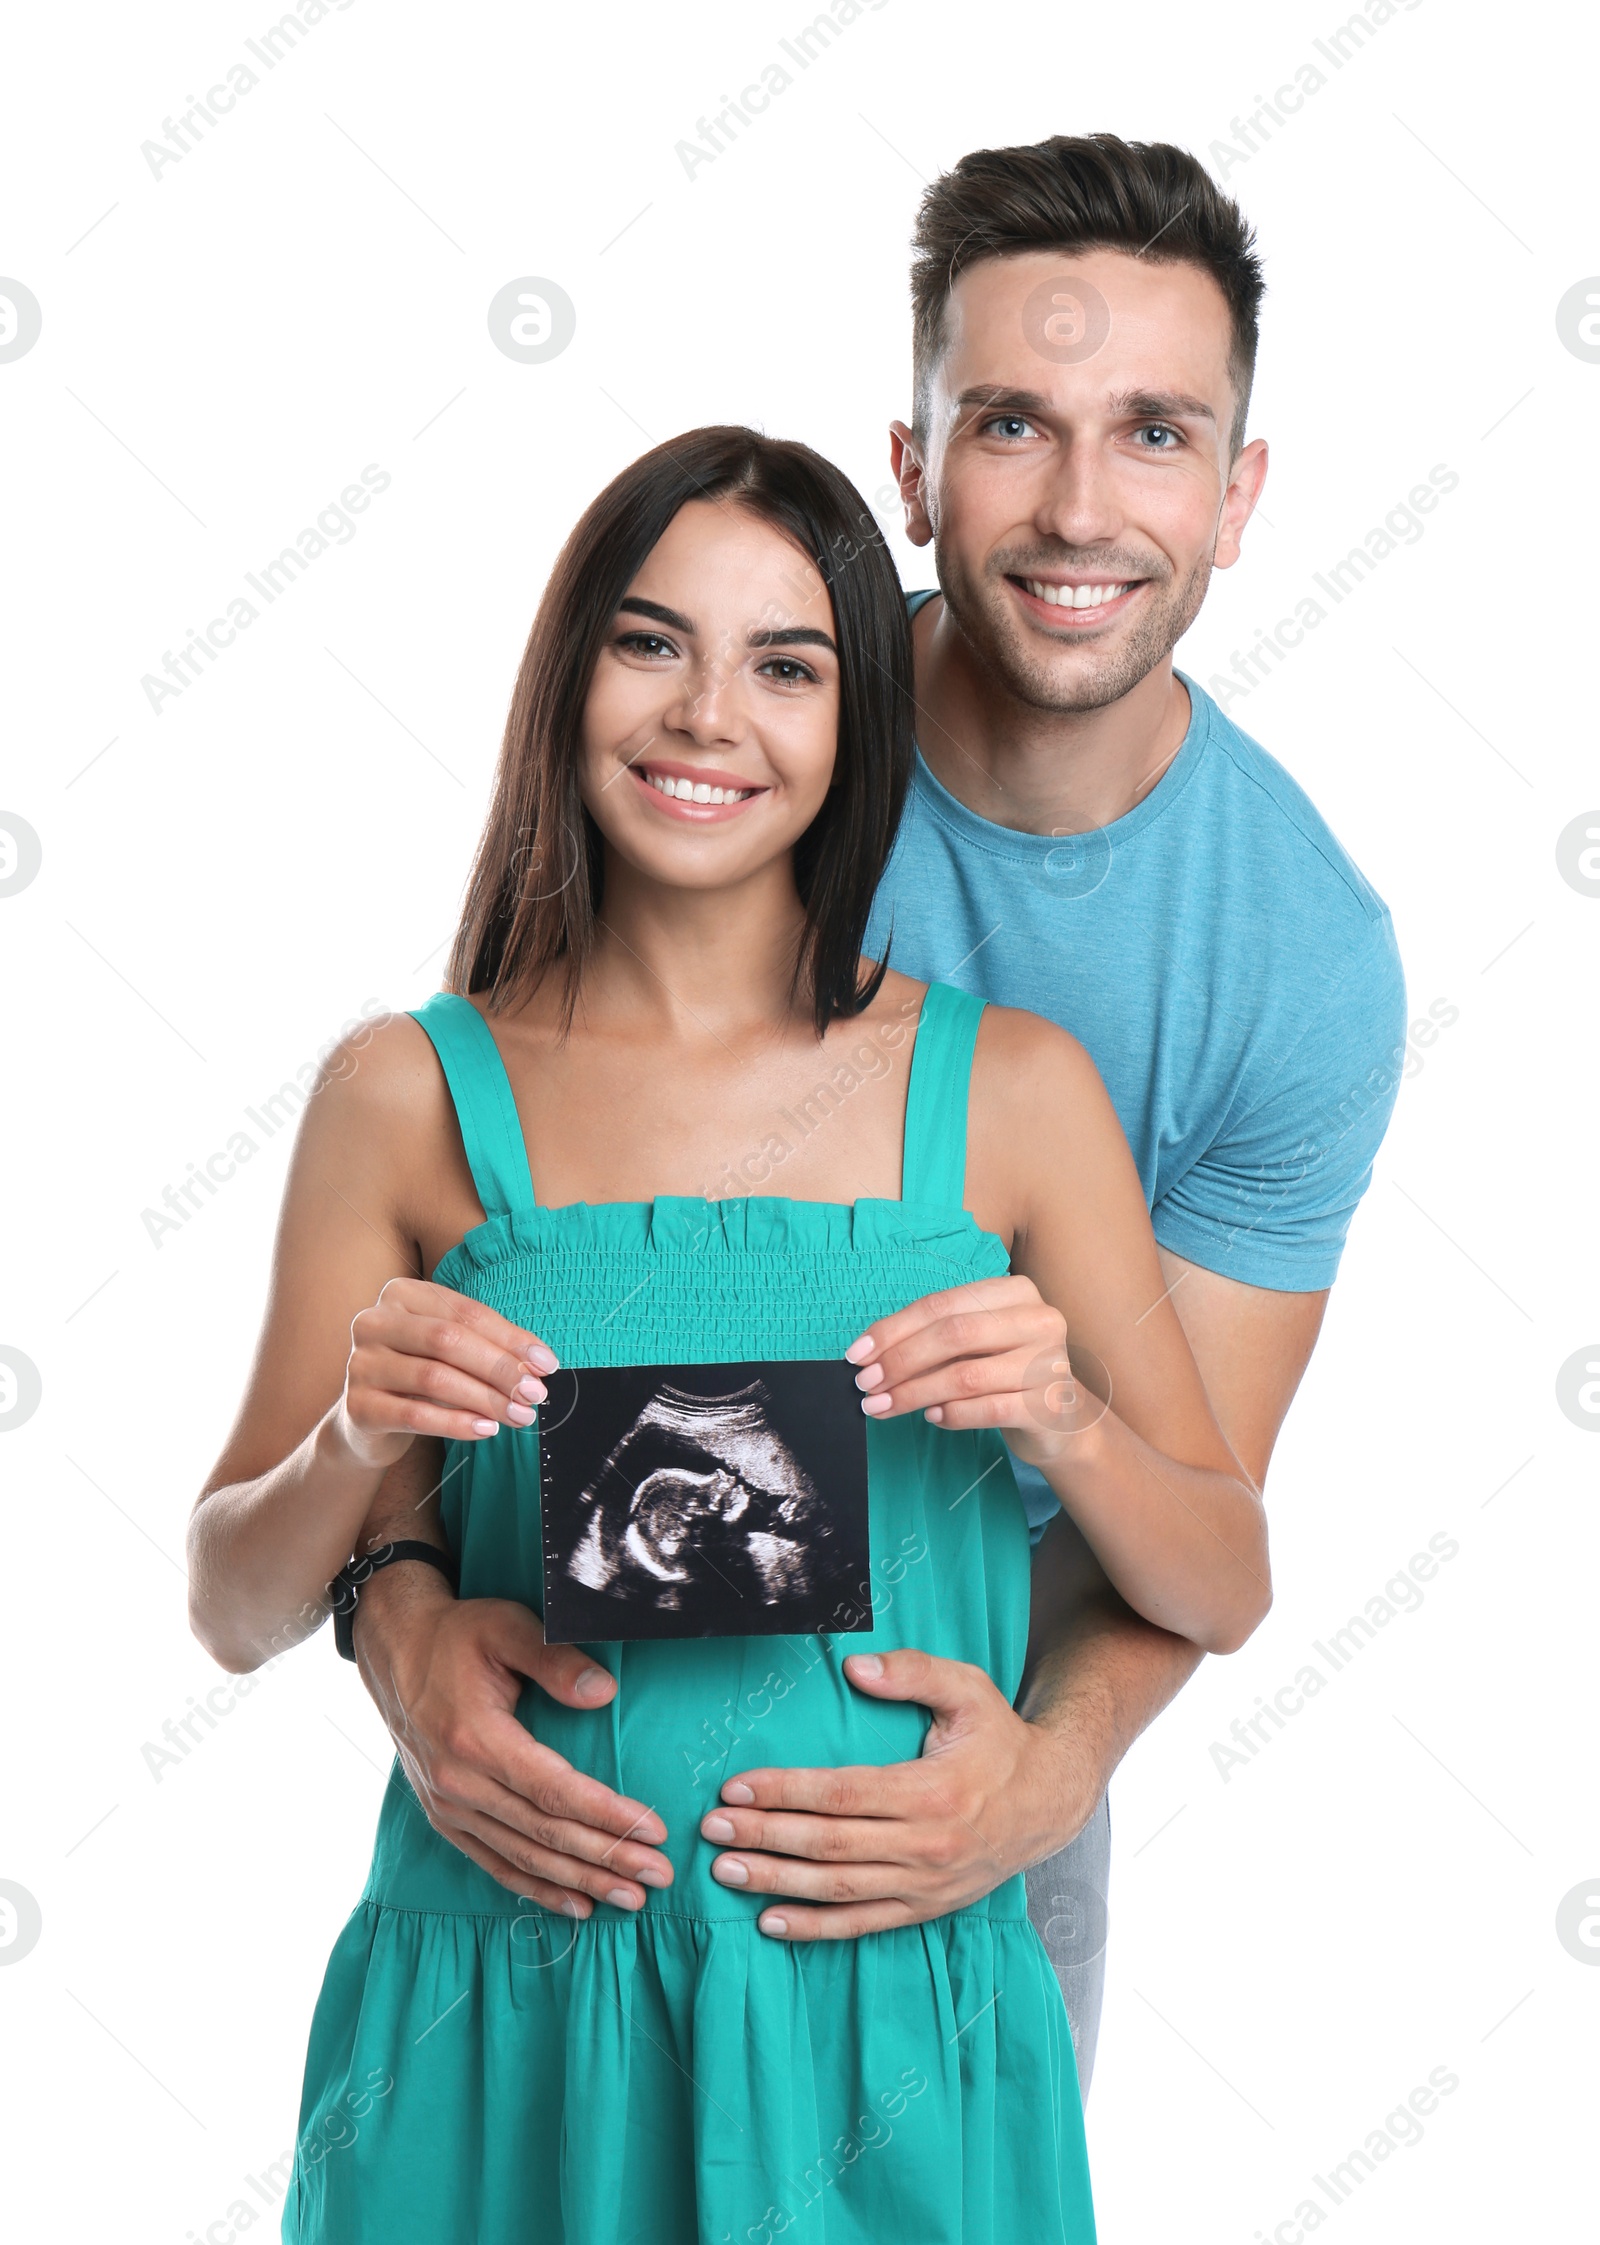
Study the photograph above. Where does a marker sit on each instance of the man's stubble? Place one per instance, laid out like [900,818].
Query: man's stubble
[1076,680]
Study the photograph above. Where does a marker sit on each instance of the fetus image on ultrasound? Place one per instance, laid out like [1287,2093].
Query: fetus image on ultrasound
[704,1501]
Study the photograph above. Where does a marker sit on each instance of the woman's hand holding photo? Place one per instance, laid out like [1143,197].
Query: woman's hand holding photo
[1168,1512]
[426,1360]
[989,1354]
[423,1361]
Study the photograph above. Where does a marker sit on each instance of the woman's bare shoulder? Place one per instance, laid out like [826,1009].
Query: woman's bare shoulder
[1020,1054]
[380,1094]
[1038,1108]
[897,994]
[1012,1043]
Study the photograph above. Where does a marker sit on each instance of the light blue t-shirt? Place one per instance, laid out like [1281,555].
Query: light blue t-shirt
[1233,977]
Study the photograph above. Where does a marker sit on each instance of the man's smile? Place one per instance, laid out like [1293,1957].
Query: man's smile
[1076,602]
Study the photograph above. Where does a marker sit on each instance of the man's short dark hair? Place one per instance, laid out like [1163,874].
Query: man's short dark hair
[1081,193]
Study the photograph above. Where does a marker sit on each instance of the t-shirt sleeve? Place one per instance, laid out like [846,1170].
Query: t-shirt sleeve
[1270,1200]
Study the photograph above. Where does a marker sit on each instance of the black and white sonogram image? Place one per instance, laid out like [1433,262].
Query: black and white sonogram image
[704,1500]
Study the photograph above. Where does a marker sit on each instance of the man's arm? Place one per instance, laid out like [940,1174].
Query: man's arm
[1252,1346]
[998,1789]
[1097,1674]
[447,1674]
[1095,1670]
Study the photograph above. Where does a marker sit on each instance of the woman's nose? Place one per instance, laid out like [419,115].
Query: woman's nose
[709,709]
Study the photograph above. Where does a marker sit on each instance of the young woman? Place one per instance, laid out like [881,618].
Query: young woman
[657,968]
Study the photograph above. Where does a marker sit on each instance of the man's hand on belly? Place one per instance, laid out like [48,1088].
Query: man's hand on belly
[862,1850]
[447,1674]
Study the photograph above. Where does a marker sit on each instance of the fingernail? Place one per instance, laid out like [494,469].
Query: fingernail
[591,1684]
[530,1390]
[571,1909]
[935,1414]
[654,1874]
[876,1405]
[864,1664]
[622,1898]
[738,1793]
[541,1358]
[871,1378]
[485,1426]
[718,1828]
[859,1351]
[730,1871]
[520,1414]
[773,1925]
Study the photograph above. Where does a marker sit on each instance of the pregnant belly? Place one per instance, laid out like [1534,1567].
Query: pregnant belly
[690,1713]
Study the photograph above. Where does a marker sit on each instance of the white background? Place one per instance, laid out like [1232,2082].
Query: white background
[224,883]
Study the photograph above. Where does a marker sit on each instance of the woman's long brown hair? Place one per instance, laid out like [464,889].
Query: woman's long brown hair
[535,890]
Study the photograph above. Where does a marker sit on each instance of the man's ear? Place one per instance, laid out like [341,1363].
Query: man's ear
[906,462]
[1248,475]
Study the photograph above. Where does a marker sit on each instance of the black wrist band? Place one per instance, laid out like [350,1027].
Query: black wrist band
[345,1588]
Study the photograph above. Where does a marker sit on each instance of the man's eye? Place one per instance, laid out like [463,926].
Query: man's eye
[1011,426]
[1162,438]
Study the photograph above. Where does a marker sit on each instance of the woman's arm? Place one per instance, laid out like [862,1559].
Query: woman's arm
[1079,1357]
[357,1354]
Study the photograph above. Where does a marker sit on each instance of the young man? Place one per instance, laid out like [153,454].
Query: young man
[1089,837]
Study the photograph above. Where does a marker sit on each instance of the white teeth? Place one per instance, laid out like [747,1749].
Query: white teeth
[1074,596]
[695,791]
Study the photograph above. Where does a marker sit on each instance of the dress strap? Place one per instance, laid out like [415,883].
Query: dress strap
[934,1164]
[491,1129]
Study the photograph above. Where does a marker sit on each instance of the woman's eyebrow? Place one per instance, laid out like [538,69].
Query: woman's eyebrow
[656,613]
[796,635]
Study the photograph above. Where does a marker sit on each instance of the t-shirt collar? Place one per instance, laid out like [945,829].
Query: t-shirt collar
[1010,841]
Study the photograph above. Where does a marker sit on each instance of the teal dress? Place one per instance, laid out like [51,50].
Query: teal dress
[483,2071]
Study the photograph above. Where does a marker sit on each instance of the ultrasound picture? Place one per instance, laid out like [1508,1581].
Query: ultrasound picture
[703,1500]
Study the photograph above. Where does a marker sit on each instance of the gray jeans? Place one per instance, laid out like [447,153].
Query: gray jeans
[1067,1902]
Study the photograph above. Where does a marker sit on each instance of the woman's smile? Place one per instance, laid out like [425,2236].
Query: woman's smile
[699,793]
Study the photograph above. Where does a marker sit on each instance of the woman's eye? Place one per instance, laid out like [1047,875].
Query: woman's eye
[646,643]
[787,671]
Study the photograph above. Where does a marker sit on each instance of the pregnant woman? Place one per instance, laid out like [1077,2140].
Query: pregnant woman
[657,965]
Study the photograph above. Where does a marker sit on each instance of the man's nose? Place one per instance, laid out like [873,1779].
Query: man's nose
[1079,505]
